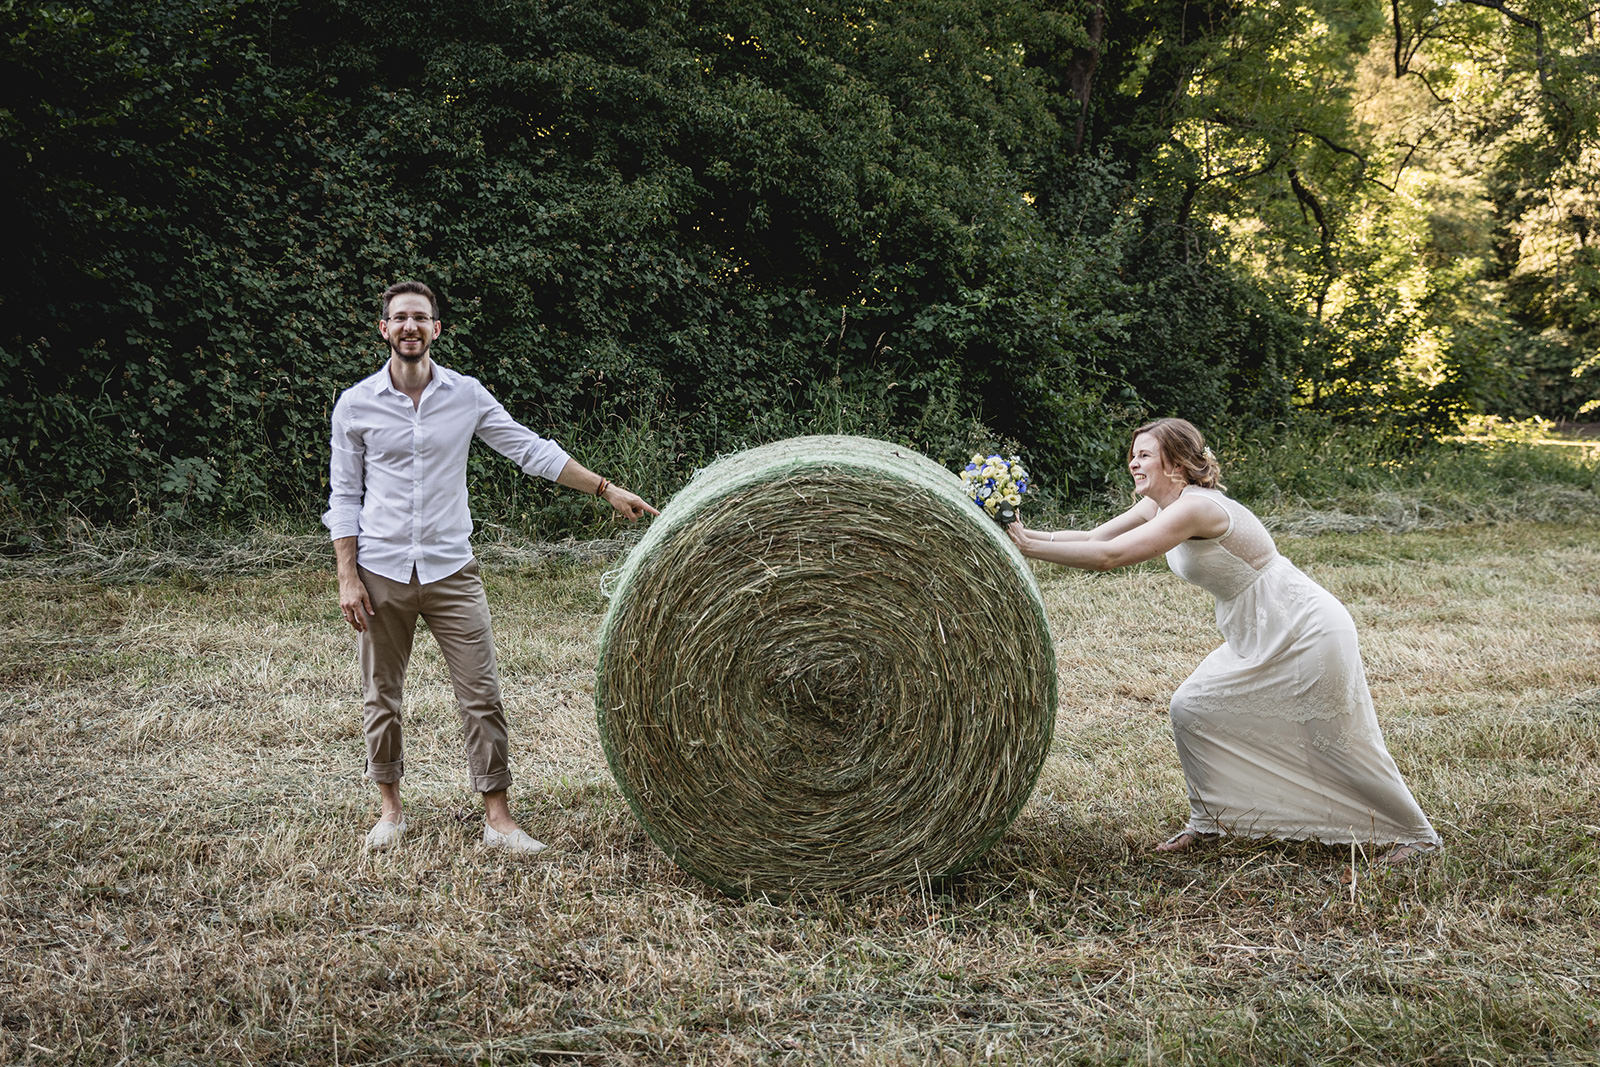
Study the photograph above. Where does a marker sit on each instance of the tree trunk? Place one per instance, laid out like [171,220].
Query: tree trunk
[1080,72]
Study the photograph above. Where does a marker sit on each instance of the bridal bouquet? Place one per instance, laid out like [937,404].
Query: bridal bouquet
[996,484]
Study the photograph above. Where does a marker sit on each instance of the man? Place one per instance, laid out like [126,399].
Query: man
[397,513]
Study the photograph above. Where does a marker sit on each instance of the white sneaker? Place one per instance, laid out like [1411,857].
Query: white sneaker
[517,842]
[385,834]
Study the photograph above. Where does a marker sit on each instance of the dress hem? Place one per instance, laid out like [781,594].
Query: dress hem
[1422,844]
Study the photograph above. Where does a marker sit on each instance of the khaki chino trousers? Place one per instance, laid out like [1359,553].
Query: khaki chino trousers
[457,614]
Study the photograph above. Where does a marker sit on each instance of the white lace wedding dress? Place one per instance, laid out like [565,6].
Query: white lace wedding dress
[1275,729]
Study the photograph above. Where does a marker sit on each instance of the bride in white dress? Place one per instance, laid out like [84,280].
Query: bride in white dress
[1275,729]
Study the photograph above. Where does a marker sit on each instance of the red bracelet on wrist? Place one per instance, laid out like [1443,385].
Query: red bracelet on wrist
[600,490]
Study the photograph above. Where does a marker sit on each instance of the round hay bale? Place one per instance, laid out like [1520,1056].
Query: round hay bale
[824,669]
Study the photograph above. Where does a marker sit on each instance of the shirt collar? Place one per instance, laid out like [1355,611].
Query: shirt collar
[443,377]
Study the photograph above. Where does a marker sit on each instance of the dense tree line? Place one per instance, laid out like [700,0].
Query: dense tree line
[664,230]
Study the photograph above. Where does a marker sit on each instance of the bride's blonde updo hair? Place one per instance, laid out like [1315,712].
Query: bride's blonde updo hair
[1183,447]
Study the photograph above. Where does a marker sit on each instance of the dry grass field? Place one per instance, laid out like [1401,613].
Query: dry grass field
[182,879]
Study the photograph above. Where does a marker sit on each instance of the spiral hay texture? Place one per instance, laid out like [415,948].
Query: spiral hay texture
[824,669]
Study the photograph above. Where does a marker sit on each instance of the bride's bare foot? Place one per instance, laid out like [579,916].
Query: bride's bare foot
[1183,841]
[1401,855]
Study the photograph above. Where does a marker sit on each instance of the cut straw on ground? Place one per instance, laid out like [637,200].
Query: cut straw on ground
[182,881]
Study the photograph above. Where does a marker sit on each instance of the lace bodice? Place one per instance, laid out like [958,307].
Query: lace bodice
[1228,565]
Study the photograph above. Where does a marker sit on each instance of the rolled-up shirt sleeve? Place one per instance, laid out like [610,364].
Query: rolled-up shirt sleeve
[346,470]
[536,455]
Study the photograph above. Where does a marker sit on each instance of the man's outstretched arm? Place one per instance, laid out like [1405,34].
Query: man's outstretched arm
[629,505]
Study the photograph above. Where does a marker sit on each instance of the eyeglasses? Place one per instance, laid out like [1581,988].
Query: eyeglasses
[419,319]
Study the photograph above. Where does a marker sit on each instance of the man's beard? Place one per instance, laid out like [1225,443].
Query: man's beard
[408,357]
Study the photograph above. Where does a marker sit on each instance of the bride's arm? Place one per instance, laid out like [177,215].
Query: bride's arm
[1136,542]
[1141,512]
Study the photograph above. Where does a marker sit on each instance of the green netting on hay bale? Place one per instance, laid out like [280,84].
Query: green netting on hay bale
[824,668]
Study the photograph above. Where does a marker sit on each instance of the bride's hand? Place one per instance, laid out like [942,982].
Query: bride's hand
[1018,532]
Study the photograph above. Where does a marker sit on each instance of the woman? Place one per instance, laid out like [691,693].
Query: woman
[1275,729]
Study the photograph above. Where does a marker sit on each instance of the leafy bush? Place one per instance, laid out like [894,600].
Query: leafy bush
[661,231]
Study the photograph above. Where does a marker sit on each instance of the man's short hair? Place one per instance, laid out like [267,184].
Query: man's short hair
[410,287]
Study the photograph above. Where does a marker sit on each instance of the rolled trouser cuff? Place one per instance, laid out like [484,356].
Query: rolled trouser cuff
[491,783]
[386,772]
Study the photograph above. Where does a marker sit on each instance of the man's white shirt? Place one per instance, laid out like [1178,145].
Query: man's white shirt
[397,480]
